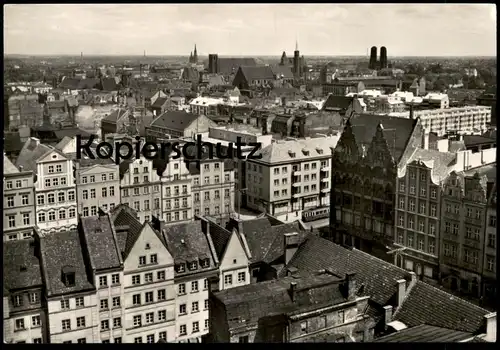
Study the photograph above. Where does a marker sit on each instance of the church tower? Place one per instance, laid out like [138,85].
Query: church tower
[191,57]
[296,60]
[284,59]
[195,55]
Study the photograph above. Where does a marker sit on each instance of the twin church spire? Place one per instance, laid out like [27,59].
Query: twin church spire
[193,57]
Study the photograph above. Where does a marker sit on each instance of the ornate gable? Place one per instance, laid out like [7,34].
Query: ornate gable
[378,153]
[347,149]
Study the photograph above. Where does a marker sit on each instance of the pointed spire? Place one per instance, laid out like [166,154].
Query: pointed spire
[296,45]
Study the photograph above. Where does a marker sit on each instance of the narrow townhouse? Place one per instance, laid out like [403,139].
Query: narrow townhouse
[106,269]
[148,280]
[24,312]
[55,189]
[97,185]
[233,254]
[140,187]
[195,266]
[18,202]
[70,296]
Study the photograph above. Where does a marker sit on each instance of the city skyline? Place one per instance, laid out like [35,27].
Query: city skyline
[264,30]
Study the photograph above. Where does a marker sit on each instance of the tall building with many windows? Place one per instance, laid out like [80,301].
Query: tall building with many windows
[55,189]
[18,202]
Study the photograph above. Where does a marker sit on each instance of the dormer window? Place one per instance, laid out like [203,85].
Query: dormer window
[147,246]
[306,152]
[181,268]
[319,150]
[205,263]
[292,154]
[193,265]
[68,276]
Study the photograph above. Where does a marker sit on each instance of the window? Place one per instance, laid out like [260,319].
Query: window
[26,219]
[303,327]
[491,240]
[162,315]
[138,340]
[104,304]
[37,341]
[182,329]
[136,279]
[154,258]
[79,302]
[196,326]
[65,304]
[412,189]
[66,325]
[401,203]
[205,284]
[20,323]
[421,244]
[412,205]
[142,260]
[228,280]
[104,192]
[103,281]
[402,187]
[150,317]
[182,309]
[182,288]
[149,297]
[117,322]
[341,317]
[493,221]
[161,295]
[33,298]
[36,321]
[12,221]
[162,335]
[433,210]
[41,217]
[194,286]
[194,306]
[80,322]
[116,302]
[137,321]
[160,275]
[52,216]
[241,277]
[115,279]
[243,339]
[118,340]
[136,299]
[422,208]
[150,338]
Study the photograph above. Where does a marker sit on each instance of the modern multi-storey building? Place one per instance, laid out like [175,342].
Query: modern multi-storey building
[24,311]
[418,211]
[55,188]
[148,280]
[195,265]
[97,185]
[291,178]
[464,211]
[141,187]
[18,202]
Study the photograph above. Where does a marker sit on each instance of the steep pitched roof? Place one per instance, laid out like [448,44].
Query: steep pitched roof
[397,131]
[8,167]
[12,142]
[159,102]
[60,251]
[126,239]
[228,65]
[220,238]
[21,267]
[337,102]
[257,72]
[441,162]
[425,334]
[175,120]
[30,153]
[114,116]
[101,242]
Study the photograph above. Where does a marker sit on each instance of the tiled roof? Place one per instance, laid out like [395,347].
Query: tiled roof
[257,73]
[429,305]
[8,167]
[423,305]
[425,334]
[62,250]
[220,238]
[159,102]
[101,242]
[282,71]
[29,155]
[63,143]
[441,162]
[115,115]
[228,65]
[175,120]
[295,150]
[187,242]
[21,268]
[245,305]
[126,240]
[397,131]
[12,142]
[475,140]
[190,74]
[340,102]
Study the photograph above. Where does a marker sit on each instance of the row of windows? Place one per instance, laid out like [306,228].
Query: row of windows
[176,190]
[194,287]
[104,177]
[228,279]
[161,316]
[115,280]
[149,338]
[206,180]
[148,297]
[56,169]
[412,190]
[421,225]
[148,277]
[410,243]
[195,307]
[51,197]
[18,184]
[195,328]
[93,209]
[51,216]
[104,192]
[422,207]
[11,219]
[35,322]
[156,189]
[168,203]
[206,195]
[24,200]
[137,205]
[192,266]
[55,182]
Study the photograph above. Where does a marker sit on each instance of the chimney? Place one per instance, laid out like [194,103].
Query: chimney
[293,289]
[411,111]
[401,291]
[425,140]
[387,315]
[20,167]
[291,245]
[350,285]
[491,327]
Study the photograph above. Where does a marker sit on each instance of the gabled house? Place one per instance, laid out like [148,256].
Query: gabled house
[175,124]
[117,121]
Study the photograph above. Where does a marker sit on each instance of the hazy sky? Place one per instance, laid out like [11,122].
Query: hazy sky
[251,29]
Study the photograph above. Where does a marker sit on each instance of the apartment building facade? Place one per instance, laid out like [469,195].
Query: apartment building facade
[140,187]
[18,202]
[176,200]
[464,209]
[489,275]
[291,178]
[98,186]
[418,212]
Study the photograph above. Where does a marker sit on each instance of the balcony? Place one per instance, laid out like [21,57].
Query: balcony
[296,184]
[324,168]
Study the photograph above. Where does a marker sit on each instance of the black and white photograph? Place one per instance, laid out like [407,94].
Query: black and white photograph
[250,173]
